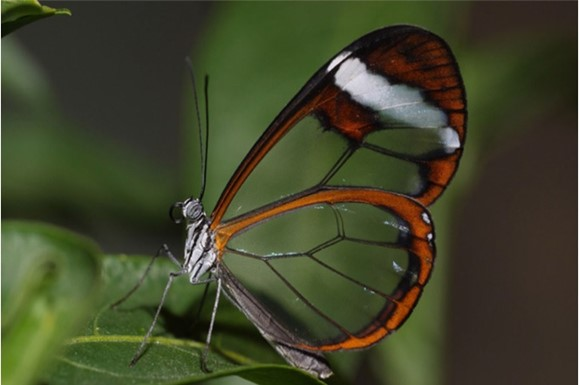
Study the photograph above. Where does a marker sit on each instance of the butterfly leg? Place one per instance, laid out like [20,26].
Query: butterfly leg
[162,250]
[141,348]
[210,331]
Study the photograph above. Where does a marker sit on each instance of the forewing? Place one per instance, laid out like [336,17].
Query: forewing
[387,112]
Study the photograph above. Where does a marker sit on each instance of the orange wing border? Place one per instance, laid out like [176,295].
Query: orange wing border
[419,243]
[416,57]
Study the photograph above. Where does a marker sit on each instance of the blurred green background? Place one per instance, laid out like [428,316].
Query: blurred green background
[98,137]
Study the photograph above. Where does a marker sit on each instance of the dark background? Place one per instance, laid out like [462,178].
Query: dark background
[512,309]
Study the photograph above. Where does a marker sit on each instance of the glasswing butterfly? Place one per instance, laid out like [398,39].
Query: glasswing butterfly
[322,237]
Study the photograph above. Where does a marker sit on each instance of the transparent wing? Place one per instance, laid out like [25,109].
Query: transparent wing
[387,112]
[337,268]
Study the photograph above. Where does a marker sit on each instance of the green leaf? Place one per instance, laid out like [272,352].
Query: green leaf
[49,286]
[102,353]
[49,282]
[17,13]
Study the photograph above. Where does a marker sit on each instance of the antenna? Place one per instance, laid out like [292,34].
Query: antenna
[206,154]
[202,145]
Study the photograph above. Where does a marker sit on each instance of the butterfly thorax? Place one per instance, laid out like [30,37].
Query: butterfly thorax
[200,252]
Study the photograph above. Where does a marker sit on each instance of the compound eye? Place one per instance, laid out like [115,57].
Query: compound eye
[192,209]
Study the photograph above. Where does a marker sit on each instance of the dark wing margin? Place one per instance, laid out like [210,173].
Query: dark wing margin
[392,78]
[417,241]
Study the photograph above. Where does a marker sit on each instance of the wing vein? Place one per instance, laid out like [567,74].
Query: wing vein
[306,301]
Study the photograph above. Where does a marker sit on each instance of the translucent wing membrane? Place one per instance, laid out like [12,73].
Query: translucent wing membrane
[322,238]
[338,268]
[387,112]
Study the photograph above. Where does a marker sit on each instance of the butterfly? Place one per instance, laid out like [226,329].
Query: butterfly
[322,238]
